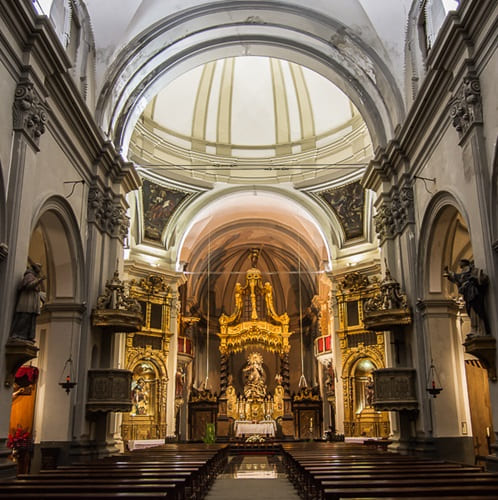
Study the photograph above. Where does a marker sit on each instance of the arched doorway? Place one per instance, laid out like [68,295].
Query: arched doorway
[461,414]
[56,246]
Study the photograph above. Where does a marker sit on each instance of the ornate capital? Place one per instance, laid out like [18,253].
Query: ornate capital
[402,209]
[99,207]
[384,222]
[29,111]
[118,223]
[466,105]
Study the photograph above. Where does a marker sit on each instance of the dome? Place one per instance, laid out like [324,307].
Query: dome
[250,112]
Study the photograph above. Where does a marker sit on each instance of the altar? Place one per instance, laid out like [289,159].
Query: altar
[245,428]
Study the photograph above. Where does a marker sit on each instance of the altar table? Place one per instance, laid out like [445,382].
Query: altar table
[264,428]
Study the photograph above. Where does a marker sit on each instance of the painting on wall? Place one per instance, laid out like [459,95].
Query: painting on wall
[348,204]
[159,203]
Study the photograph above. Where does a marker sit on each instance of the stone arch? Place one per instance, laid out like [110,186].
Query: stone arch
[59,229]
[458,418]
[55,242]
[323,44]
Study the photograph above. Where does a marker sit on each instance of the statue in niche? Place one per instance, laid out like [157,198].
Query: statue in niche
[140,397]
[254,377]
[369,392]
[472,284]
[29,301]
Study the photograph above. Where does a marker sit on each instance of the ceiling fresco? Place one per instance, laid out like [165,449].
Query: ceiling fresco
[159,204]
[347,202]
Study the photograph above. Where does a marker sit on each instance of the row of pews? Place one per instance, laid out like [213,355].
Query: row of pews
[170,471]
[331,471]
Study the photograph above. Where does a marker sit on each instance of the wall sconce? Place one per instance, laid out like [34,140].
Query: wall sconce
[433,386]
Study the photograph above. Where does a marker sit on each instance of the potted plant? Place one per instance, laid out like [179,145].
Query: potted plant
[21,444]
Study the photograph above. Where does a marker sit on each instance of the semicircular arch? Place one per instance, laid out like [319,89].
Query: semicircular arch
[305,38]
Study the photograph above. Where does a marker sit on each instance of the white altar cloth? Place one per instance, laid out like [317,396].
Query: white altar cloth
[265,427]
[138,444]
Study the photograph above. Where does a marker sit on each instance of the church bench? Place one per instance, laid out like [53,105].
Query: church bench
[462,491]
[194,483]
[305,475]
[169,491]
[314,479]
[120,482]
[83,495]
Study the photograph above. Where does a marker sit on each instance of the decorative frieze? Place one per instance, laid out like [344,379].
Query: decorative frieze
[466,105]
[29,111]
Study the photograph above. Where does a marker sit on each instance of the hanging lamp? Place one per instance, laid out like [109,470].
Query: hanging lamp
[433,386]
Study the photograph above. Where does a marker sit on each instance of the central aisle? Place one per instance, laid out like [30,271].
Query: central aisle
[242,479]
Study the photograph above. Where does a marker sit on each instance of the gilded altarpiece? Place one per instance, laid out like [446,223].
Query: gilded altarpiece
[362,352]
[146,357]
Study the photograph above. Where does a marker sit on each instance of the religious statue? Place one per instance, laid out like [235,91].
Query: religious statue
[472,284]
[140,397]
[254,377]
[29,301]
[180,381]
[369,392]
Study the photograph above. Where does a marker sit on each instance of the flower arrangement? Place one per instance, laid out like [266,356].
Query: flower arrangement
[255,438]
[20,442]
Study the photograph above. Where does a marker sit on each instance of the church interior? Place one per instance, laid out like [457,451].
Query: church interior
[248,223]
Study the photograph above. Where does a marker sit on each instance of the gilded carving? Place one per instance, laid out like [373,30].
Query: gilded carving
[271,331]
[353,282]
[153,284]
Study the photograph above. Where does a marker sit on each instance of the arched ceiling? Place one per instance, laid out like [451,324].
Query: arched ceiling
[250,122]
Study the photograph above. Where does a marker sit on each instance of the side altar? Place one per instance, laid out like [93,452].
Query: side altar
[256,392]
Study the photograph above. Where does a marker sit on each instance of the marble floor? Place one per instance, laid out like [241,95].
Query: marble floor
[252,476]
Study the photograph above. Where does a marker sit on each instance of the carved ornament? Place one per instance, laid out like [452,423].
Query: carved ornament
[353,281]
[153,284]
[116,310]
[388,308]
[308,394]
[108,214]
[30,111]
[384,222]
[201,395]
[394,389]
[466,105]
[265,328]
[109,390]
